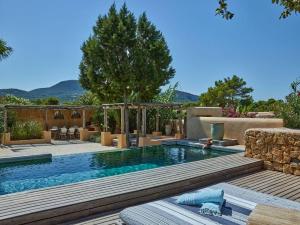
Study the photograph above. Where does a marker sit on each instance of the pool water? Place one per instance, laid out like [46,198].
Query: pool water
[16,177]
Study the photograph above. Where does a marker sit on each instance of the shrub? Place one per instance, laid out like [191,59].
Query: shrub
[26,130]
[291,111]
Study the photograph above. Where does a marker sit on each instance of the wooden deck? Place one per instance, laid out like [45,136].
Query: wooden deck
[271,182]
[70,202]
[266,181]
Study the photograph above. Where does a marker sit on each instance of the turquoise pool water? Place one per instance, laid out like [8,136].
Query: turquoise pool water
[16,177]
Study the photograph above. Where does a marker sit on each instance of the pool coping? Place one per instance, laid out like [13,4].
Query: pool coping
[24,157]
[192,143]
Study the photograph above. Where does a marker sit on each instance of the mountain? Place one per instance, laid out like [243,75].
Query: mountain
[71,89]
[182,96]
[65,90]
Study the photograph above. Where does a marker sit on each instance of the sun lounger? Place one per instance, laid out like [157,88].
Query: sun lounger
[239,205]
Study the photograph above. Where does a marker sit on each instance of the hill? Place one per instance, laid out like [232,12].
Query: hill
[70,90]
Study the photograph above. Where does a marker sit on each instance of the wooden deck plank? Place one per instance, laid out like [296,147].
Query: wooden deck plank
[257,179]
[62,203]
[110,219]
[277,184]
[269,184]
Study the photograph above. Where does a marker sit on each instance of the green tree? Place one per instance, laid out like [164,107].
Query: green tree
[290,6]
[228,92]
[46,101]
[125,59]
[5,50]
[291,110]
[270,105]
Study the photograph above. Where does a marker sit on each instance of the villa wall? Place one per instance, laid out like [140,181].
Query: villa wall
[279,148]
[199,127]
[40,116]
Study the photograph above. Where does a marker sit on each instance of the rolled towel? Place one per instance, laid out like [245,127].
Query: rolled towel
[211,208]
[203,196]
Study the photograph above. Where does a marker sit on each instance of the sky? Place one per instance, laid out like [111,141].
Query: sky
[256,45]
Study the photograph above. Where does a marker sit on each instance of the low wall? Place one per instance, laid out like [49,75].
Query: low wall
[279,148]
[85,134]
[46,138]
[204,111]
[199,127]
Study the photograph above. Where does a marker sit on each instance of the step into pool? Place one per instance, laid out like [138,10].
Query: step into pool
[67,169]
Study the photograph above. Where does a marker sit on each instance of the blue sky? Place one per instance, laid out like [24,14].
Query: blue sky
[256,45]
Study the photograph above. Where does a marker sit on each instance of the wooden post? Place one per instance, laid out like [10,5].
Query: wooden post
[46,119]
[83,119]
[180,122]
[138,119]
[122,120]
[105,120]
[144,121]
[157,122]
[5,120]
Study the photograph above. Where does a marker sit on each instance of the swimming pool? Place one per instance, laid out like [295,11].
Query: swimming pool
[17,177]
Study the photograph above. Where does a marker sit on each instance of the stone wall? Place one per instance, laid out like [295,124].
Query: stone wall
[279,148]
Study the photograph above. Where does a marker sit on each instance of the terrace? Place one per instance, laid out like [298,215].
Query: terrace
[99,201]
[164,156]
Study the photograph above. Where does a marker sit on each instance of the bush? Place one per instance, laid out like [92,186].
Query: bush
[291,112]
[26,130]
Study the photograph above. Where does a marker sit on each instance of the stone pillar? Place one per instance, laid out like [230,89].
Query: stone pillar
[6,138]
[106,139]
[122,141]
[47,136]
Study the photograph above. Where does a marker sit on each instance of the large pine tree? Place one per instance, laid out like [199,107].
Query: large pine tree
[125,59]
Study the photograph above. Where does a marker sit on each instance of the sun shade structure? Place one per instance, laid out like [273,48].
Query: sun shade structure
[143,107]
[80,111]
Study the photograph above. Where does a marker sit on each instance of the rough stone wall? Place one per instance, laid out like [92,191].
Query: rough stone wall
[278,147]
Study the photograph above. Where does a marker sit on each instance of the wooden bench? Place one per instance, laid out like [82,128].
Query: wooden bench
[269,215]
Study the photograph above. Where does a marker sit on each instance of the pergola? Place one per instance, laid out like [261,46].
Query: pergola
[120,106]
[143,107]
[46,108]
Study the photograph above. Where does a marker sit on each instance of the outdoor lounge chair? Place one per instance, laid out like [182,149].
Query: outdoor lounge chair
[239,205]
[71,133]
[63,133]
